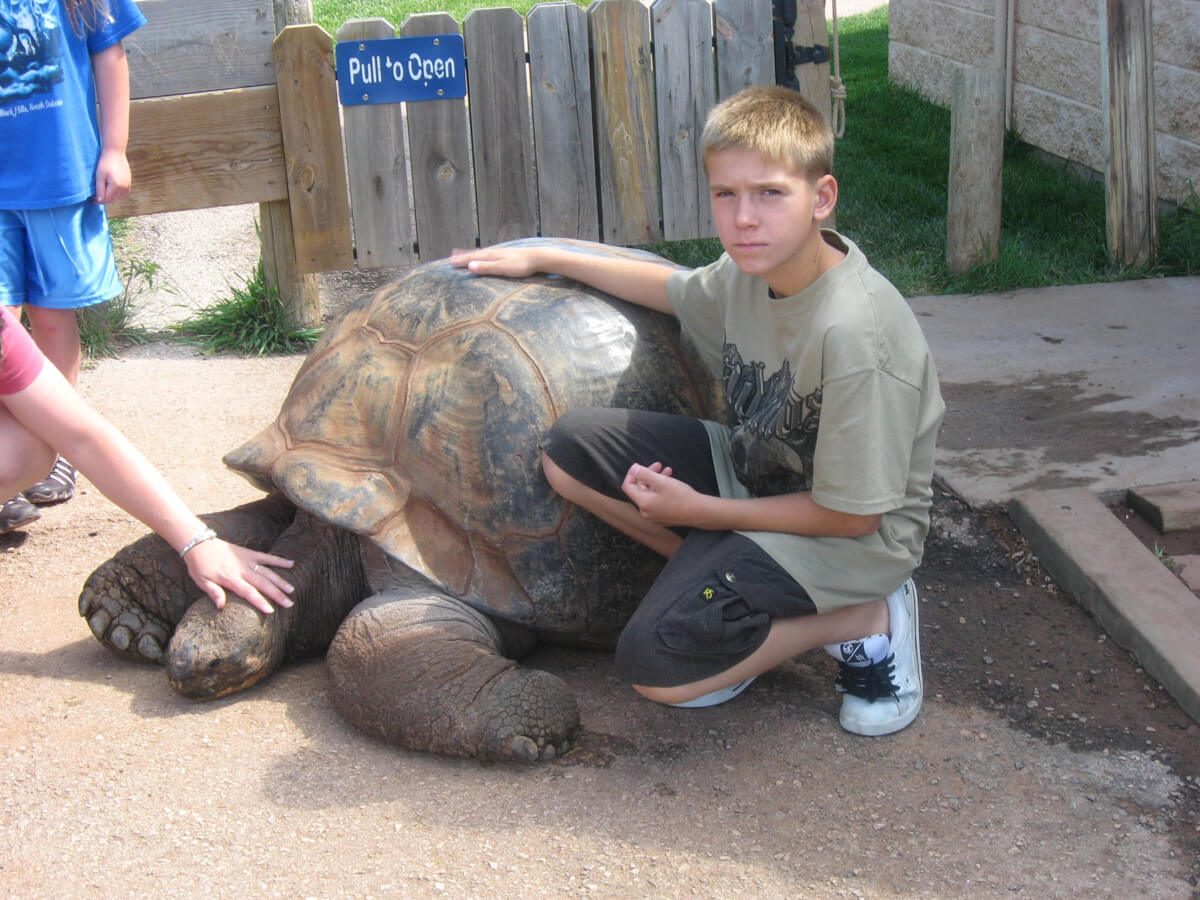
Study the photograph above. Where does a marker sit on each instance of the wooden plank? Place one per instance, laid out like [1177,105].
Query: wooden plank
[685,89]
[626,138]
[501,128]
[202,150]
[561,85]
[377,169]
[1127,99]
[186,47]
[744,44]
[811,39]
[976,166]
[312,143]
[440,160]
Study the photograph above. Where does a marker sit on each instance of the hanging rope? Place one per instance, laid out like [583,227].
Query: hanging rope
[837,90]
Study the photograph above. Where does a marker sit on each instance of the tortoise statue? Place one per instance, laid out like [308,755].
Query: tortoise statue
[405,479]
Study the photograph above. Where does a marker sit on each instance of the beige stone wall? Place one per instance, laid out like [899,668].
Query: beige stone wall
[1056,73]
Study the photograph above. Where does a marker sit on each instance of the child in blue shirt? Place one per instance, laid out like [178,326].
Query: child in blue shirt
[64,126]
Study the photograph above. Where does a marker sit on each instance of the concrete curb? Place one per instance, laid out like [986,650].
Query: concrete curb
[1168,507]
[1130,593]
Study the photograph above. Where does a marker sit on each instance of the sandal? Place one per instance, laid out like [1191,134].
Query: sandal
[57,487]
[17,512]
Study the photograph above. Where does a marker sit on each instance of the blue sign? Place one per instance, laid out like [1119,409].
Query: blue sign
[398,70]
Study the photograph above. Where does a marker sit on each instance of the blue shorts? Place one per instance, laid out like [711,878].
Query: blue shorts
[59,258]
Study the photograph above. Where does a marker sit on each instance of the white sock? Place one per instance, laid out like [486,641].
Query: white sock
[873,648]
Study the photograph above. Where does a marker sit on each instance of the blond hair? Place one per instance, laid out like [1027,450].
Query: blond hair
[774,121]
[86,15]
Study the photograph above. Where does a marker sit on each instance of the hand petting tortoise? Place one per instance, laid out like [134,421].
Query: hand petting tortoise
[41,415]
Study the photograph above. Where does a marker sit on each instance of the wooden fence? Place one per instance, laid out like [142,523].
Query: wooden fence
[578,122]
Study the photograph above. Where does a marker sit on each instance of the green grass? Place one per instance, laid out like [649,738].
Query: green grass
[892,167]
[332,14]
[251,320]
[107,327]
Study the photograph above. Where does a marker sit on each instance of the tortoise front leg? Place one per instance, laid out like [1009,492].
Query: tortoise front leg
[214,653]
[426,671]
[133,602]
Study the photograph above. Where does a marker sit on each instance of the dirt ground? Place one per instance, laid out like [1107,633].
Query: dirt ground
[1045,762]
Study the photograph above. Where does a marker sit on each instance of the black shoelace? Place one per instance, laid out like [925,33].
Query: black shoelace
[871,682]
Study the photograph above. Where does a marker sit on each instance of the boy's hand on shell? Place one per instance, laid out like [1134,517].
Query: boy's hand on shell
[507,262]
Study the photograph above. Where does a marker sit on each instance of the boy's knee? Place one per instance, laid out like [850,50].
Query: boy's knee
[564,485]
[553,473]
[564,431]
[564,437]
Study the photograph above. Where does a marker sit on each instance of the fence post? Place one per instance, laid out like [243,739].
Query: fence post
[976,166]
[300,293]
[1127,97]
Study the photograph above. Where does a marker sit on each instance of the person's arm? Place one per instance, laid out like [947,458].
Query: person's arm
[51,410]
[111,70]
[665,500]
[643,282]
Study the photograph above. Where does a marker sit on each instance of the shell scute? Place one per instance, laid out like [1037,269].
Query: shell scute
[416,422]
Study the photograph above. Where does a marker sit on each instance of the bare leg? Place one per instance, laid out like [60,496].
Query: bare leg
[787,638]
[619,514]
[56,332]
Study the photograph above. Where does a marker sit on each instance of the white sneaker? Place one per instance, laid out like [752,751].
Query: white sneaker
[885,696]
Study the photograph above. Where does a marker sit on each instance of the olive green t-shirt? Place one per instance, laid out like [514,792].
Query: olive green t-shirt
[831,390]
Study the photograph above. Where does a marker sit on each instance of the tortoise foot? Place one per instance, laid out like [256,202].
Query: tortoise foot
[133,602]
[527,716]
[424,670]
[124,626]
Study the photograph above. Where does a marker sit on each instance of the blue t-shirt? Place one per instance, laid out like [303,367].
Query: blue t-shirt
[49,130]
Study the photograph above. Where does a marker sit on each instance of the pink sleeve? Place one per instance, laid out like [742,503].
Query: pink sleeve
[22,360]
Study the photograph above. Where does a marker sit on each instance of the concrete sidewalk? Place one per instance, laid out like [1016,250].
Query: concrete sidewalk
[1094,386]
[1058,398]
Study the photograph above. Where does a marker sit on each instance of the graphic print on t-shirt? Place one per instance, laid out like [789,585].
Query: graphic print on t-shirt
[774,431]
[30,52]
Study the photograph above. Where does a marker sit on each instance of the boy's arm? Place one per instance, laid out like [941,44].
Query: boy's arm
[665,500]
[111,70]
[643,282]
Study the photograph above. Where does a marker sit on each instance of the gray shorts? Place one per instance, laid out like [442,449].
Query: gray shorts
[712,604]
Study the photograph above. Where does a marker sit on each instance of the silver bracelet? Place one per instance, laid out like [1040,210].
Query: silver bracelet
[206,535]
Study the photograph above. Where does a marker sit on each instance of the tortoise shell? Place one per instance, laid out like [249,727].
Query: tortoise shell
[415,422]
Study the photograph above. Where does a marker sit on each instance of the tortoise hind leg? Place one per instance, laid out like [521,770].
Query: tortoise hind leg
[133,602]
[426,671]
